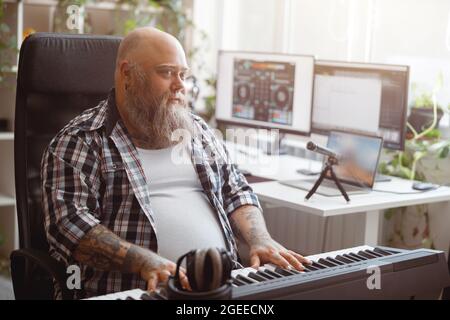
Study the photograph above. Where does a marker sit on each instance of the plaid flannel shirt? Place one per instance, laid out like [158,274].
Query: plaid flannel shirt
[91,174]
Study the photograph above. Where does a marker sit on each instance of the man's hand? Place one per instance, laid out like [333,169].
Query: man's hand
[248,223]
[270,251]
[100,248]
[157,269]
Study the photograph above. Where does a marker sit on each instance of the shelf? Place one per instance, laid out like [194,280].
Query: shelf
[6,136]
[6,201]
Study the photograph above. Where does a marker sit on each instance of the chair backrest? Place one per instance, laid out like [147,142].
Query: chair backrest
[59,76]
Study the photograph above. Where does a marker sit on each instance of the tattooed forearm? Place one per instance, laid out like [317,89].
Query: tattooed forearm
[248,223]
[102,249]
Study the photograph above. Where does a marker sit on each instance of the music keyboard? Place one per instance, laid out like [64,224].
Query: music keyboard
[341,274]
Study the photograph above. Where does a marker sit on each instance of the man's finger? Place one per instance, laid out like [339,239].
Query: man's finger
[300,258]
[279,260]
[164,275]
[152,282]
[255,261]
[292,260]
[185,281]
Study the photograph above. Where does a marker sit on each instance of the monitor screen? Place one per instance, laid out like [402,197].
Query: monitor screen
[265,90]
[358,157]
[361,97]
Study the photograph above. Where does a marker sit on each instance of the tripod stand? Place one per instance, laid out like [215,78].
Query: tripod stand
[328,167]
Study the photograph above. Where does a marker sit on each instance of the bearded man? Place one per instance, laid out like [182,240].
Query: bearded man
[122,204]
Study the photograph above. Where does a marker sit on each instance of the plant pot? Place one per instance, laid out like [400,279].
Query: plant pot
[422,118]
[435,169]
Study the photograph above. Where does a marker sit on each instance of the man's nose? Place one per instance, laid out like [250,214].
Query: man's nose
[178,84]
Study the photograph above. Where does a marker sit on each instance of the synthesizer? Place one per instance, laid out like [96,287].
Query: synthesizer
[362,272]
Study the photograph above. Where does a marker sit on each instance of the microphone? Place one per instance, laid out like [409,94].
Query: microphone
[322,150]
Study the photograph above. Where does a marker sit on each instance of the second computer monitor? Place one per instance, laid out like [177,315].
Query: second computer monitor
[265,90]
[361,97]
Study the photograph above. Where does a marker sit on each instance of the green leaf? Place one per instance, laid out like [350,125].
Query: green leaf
[419,154]
[444,152]
[405,173]
[389,214]
[427,243]
[434,134]
[4,28]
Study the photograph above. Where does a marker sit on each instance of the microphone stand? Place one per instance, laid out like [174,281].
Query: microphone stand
[328,167]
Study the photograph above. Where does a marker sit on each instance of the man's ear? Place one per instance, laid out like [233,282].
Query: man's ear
[125,71]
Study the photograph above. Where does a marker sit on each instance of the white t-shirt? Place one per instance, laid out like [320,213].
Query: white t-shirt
[185,219]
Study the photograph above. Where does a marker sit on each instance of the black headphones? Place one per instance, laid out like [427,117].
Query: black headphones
[209,273]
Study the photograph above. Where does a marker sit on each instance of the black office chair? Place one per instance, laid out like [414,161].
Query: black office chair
[59,76]
[446,292]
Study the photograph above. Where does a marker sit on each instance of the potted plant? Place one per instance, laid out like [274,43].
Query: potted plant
[425,158]
[8,46]
[421,114]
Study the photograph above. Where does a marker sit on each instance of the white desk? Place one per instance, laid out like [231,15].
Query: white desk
[372,204]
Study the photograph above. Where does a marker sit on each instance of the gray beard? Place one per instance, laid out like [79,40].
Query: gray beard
[156,119]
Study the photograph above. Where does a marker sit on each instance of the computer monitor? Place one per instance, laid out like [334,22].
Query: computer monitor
[265,90]
[361,97]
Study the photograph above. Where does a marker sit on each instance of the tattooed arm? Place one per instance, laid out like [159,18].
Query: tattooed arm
[100,248]
[248,223]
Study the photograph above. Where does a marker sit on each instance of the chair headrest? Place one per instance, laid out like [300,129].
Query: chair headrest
[67,63]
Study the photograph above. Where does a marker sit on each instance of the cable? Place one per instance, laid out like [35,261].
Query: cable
[236,263]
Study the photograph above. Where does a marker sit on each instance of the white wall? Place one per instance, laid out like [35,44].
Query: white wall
[412,32]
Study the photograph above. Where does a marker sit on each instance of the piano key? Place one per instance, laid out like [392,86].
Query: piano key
[123,295]
[294,271]
[318,265]
[366,254]
[309,268]
[265,274]
[333,254]
[383,252]
[133,294]
[374,253]
[146,296]
[242,271]
[256,277]
[357,256]
[273,273]
[343,259]
[339,263]
[160,294]
[238,282]
[284,272]
[355,259]
[327,263]
[245,279]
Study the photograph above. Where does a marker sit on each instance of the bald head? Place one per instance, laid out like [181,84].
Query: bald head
[150,75]
[149,46]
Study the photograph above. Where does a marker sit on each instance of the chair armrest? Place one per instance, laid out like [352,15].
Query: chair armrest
[20,271]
